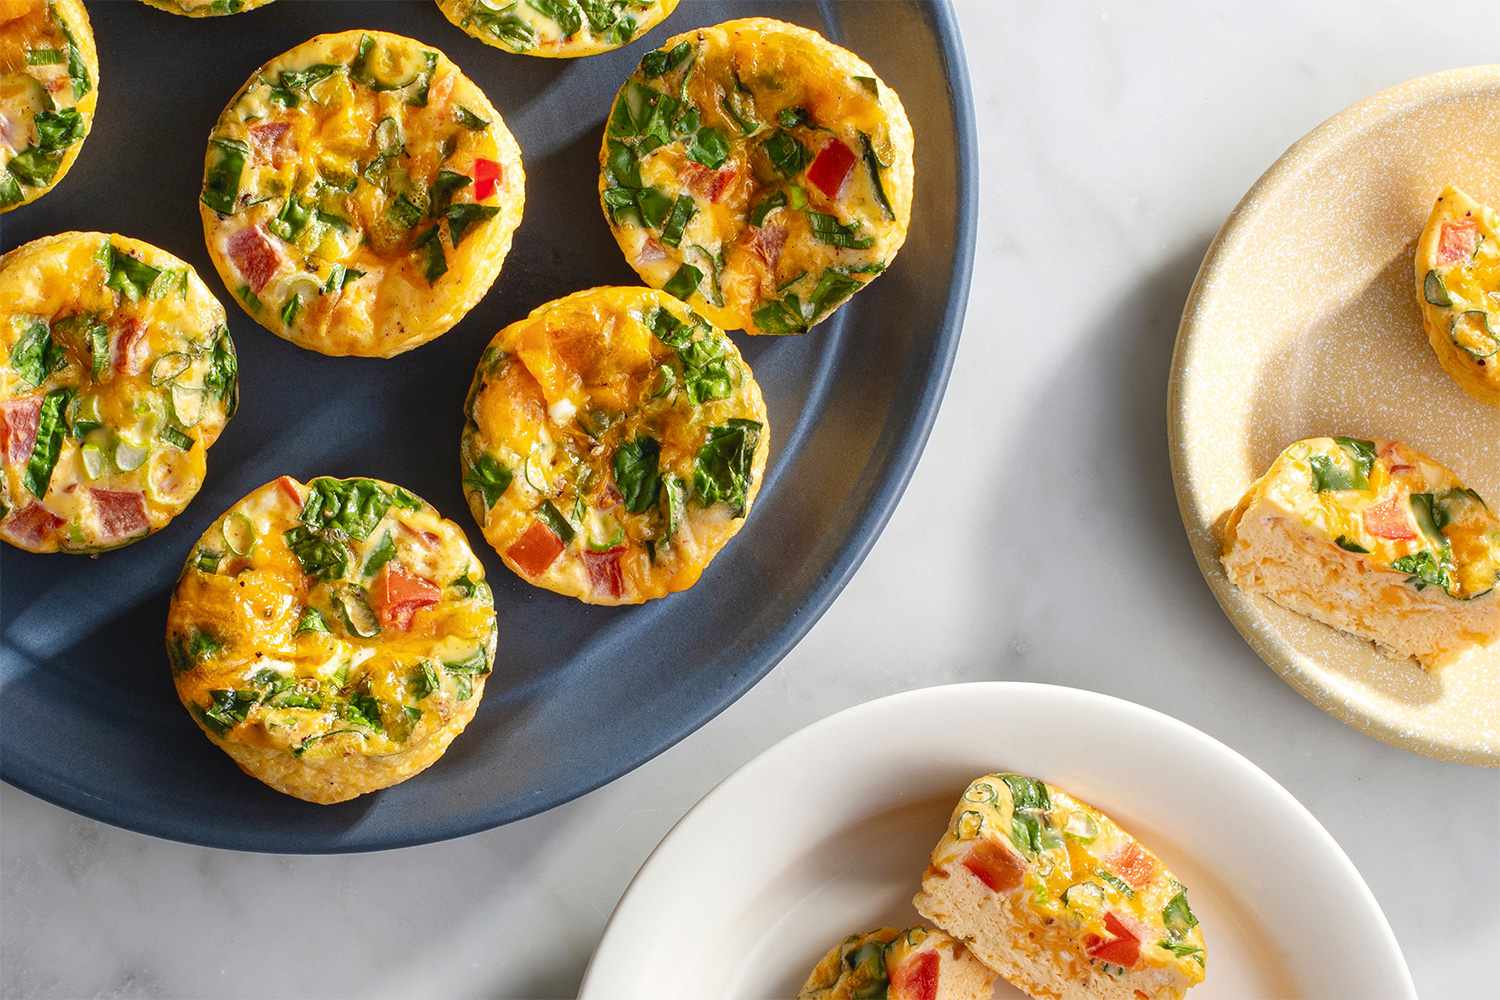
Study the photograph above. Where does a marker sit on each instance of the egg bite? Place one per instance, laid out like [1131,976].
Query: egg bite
[1374,538]
[614,441]
[205,8]
[49,84]
[1055,897]
[331,637]
[915,964]
[556,29]
[758,172]
[120,375]
[1458,288]
[360,194]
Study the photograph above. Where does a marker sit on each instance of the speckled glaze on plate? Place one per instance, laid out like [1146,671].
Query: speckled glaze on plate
[1303,321]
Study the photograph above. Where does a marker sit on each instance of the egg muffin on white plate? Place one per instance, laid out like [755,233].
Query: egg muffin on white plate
[1458,288]
[119,375]
[1055,897]
[1374,538]
[915,964]
[49,86]
[205,8]
[614,441]
[758,172]
[556,29]
[360,194]
[331,637]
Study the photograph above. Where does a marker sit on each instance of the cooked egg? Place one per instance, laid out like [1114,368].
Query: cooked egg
[332,637]
[120,375]
[614,442]
[556,29]
[915,964]
[360,194]
[205,8]
[1458,287]
[758,172]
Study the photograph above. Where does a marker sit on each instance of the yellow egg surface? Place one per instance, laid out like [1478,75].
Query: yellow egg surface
[1458,288]
[556,29]
[49,84]
[331,637]
[918,963]
[119,376]
[614,441]
[1372,537]
[759,172]
[360,194]
[205,8]
[1056,897]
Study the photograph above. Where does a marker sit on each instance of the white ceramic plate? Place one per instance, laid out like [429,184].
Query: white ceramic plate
[828,831]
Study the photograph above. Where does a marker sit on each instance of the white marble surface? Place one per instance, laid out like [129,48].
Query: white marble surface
[1116,136]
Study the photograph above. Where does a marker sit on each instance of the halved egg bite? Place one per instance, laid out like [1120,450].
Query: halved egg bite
[1053,895]
[49,80]
[119,376]
[360,194]
[1458,286]
[331,637]
[556,29]
[1374,538]
[915,964]
[758,172]
[205,8]
[614,441]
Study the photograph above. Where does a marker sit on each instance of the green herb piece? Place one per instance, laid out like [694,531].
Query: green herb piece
[57,130]
[384,552]
[352,506]
[780,316]
[637,473]
[833,288]
[462,217]
[469,119]
[323,558]
[766,207]
[791,117]
[435,264]
[30,354]
[1330,475]
[722,469]
[203,645]
[339,276]
[176,438]
[872,163]
[553,519]
[1424,570]
[311,621]
[663,61]
[1115,882]
[503,24]
[221,184]
[50,428]
[228,709]
[709,147]
[222,377]
[490,478]
[363,709]
[291,83]
[130,276]
[1178,916]
[423,680]
[353,605]
[45,57]
[10,189]
[404,499]
[207,560]
[786,154]
[683,283]
[290,310]
[251,300]
[673,504]
[828,229]
[683,210]
[475,664]
[564,13]
[442,189]
[1030,804]
[404,212]
[1350,546]
[869,83]
[1434,291]
[311,741]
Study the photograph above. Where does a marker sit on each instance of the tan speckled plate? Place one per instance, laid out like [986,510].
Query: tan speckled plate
[1303,321]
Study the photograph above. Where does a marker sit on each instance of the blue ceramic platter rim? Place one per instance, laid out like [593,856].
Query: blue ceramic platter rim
[897,460]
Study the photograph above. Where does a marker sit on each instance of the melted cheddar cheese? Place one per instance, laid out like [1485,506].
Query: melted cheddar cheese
[333,637]
[614,442]
[49,80]
[1458,287]
[119,375]
[556,29]
[360,194]
[759,172]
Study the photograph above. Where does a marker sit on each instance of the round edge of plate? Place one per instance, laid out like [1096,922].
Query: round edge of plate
[1202,763]
[1249,614]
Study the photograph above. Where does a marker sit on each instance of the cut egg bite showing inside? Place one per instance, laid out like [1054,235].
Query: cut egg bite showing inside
[1458,288]
[119,376]
[614,441]
[758,172]
[331,637]
[360,194]
[915,964]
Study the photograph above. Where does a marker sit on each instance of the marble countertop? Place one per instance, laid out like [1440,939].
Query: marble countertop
[1115,138]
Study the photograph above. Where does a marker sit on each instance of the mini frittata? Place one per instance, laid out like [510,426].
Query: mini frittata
[360,194]
[119,375]
[614,441]
[557,29]
[205,8]
[758,172]
[332,638]
[915,964]
[1374,538]
[49,85]
[1458,287]
[1053,895]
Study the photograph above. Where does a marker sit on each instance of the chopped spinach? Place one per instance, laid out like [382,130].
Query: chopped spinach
[553,519]
[489,477]
[502,23]
[1178,916]
[663,61]
[469,119]
[682,212]
[33,354]
[638,474]
[384,552]
[1349,546]
[435,263]
[228,709]
[311,621]
[221,185]
[1331,475]
[461,217]
[290,83]
[564,13]
[684,282]
[828,229]
[130,276]
[444,186]
[50,429]
[673,503]
[722,469]
[872,163]
[709,147]
[786,154]
[423,680]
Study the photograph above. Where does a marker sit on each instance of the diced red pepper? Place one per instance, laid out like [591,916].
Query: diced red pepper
[604,571]
[1134,865]
[1390,519]
[130,345]
[916,978]
[398,594]
[1124,949]
[831,168]
[254,256]
[536,549]
[995,865]
[32,525]
[1457,241]
[121,513]
[288,487]
[486,175]
[18,421]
